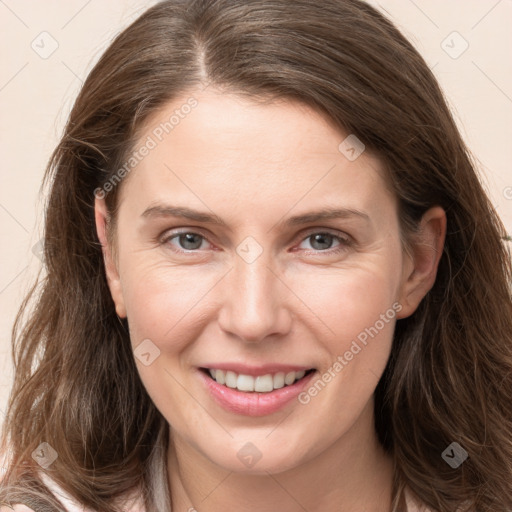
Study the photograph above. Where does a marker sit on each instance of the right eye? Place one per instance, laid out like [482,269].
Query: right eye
[184,241]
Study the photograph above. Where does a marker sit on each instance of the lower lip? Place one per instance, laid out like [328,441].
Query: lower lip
[254,403]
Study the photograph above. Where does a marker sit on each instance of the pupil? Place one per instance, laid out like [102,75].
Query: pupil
[321,237]
[188,238]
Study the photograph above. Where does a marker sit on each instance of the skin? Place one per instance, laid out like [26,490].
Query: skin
[299,302]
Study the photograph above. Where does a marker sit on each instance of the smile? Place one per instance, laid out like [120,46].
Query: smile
[263,393]
[259,384]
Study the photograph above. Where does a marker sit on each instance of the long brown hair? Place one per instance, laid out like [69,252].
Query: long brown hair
[449,377]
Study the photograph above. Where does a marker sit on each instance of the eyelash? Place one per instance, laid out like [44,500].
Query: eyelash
[344,241]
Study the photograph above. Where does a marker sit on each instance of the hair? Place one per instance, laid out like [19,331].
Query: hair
[449,376]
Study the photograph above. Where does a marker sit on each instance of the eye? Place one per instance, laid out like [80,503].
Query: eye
[323,242]
[185,241]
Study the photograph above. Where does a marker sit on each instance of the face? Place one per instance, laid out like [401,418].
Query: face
[247,243]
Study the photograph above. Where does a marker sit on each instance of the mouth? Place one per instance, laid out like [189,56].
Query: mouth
[260,384]
[255,390]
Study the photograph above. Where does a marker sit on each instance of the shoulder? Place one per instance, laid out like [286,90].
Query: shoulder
[132,504]
[16,508]
[5,508]
[413,504]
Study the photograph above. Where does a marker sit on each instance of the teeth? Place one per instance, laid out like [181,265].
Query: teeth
[279,380]
[245,383]
[261,384]
[264,383]
[289,378]
[231,379]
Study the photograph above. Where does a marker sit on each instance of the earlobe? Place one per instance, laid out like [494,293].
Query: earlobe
[426,251]
[101,216]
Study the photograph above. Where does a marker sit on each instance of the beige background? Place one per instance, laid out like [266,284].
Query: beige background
[37,91]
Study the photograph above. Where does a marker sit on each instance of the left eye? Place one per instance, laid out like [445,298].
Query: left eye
[323,241]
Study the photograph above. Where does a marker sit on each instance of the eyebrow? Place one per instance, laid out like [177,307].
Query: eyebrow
[210,218]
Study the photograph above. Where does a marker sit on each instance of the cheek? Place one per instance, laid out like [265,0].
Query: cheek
[349,300]
[360,310]
[166,307]
[163,302]
[357,307]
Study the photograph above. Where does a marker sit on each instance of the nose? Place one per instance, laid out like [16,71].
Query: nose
[254,301]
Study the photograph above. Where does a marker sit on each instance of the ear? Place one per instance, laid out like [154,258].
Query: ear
[421,263]
[101,216]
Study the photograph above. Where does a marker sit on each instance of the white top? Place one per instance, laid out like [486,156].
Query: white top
[72,506]
[137,505]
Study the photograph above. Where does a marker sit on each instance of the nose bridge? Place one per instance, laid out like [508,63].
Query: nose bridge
[253,307]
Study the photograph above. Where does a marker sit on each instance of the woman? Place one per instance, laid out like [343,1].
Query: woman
[274,281]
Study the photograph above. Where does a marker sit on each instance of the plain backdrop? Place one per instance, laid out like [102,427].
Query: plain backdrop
[49,47]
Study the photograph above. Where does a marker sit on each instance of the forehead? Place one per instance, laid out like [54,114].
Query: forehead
[212,146]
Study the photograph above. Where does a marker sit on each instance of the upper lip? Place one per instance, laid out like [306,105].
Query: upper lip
[256,370]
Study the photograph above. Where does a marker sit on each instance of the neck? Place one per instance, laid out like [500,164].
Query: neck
[354,473]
